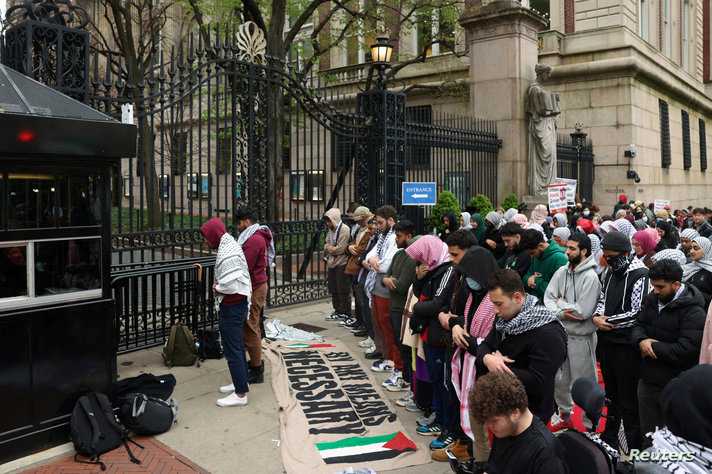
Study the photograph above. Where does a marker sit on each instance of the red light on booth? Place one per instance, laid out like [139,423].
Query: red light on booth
[25,136]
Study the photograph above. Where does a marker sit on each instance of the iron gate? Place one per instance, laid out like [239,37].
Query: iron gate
[574,160]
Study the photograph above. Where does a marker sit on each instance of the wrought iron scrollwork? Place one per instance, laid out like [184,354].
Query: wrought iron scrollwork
[55,12]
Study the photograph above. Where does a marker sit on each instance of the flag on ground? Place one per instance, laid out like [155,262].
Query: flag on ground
[368,448]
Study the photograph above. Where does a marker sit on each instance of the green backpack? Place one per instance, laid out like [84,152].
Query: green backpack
[180,348]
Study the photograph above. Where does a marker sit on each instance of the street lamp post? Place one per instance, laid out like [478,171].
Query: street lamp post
[381,52]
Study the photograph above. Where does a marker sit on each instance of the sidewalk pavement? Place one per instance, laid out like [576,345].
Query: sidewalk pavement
[235,439]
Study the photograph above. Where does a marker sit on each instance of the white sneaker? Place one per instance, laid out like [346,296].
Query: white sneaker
[366,342]
[232,400]
[371,350]
[227,388]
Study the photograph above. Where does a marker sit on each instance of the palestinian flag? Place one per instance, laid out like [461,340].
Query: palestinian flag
[363,449]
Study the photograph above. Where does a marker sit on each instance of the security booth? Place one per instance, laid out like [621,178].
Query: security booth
[59,334]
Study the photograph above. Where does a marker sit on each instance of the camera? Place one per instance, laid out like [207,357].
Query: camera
[630,152]
[632,174]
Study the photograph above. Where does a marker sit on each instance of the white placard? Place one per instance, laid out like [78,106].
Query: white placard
[557,197]
[660,204]
[570,189]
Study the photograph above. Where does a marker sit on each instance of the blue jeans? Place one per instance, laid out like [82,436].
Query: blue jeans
[232,318]
[435,359]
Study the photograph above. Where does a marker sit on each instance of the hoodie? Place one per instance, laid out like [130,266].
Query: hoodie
[231,273]
[255,250]
[579,290]
[338,237]
[677,327]
[550,260]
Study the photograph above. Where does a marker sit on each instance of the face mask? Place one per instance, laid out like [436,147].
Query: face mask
[645,218]
[619,263]
[586,212]
[659,219]
[473,285]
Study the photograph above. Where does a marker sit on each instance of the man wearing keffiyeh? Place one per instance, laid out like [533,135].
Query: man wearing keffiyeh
[258,246]
[232,289]
[527,340]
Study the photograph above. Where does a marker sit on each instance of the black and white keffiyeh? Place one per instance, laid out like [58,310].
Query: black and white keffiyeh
[370,282]
[231,271]
[250,231]
[531,316]
[696,459]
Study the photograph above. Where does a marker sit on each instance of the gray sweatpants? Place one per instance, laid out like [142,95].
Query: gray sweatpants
[581,362]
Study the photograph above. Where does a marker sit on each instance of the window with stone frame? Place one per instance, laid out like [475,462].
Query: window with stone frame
[703,145]
[686,147]
[665,134]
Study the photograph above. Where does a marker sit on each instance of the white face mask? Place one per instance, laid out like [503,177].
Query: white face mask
[586,212]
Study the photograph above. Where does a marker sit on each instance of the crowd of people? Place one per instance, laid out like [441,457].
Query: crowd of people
[528,304]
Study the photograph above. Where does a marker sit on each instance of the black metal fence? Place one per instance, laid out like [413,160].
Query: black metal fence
[576,161]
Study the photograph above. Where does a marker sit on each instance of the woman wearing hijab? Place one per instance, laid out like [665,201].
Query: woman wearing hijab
[668,234]
[511,212]
[699,271]
[493,240]
[521,219]
[560,220]
[561,236]
[433,288]
[471,324]
[643,246]
[539,214]
[465,221]
[478,227]
[606,227]
[451,225]
[686,237]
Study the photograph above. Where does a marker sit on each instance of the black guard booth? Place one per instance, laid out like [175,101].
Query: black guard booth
[57,318]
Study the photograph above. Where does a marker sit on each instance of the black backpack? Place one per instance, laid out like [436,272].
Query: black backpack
[95,429]
[143,414]
[209,344]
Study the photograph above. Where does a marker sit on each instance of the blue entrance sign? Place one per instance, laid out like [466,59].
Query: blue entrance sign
[419,194]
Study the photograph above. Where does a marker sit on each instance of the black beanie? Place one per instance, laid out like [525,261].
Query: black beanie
[687,404]
[615,240]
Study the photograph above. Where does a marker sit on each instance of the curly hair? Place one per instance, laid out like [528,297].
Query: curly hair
[495,394]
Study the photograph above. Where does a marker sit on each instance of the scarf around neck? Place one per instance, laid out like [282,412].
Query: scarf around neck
[250,231]
[531,316]
[705,263]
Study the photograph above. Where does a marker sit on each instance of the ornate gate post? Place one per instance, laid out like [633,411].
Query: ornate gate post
[46,42]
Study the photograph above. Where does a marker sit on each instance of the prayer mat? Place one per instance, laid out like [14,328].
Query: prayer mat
[333,414]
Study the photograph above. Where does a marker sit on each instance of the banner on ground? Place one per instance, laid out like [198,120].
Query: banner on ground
[333,414]
[557,198]
[660,204]
[570,189]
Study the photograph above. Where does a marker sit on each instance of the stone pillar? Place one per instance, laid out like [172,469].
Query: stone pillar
[502,38]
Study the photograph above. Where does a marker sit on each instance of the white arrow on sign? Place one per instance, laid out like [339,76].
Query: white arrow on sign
[416,196]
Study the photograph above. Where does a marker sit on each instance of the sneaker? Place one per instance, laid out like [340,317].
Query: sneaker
[413,407]
[433,429]
[445,440]
[426,419]
[403,401]
[392,379]
[382,365]
[232,400]
[373,355]
[458,449]
[368,342]
[227,388]
[399,386]
[349,323]
[558,423]
[333,317]
[360,331]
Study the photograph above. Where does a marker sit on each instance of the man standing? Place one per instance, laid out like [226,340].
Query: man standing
[358,244]
[258,247]
[232,288]
[546,259]
[572,296]
[527,340]
[378,260]
[668,334]
[398,279]
[515,257]
[336,259]
[624,288]
[521,442]
[699,223]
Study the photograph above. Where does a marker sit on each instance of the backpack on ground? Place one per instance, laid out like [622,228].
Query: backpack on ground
[180,348]
[209,346]
[95,429]
[143,414]
[159,386]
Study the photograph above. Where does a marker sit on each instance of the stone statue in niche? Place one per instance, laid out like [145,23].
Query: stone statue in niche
[542,107]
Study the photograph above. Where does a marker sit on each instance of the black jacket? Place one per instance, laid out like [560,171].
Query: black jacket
[434,293]
[537,354]
[678,327]
[703,282]
[518,260]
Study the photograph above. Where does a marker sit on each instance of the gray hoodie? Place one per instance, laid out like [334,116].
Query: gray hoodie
[579,291]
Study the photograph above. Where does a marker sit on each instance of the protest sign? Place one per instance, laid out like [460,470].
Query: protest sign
[570,189]
[660,204]
[557,197]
